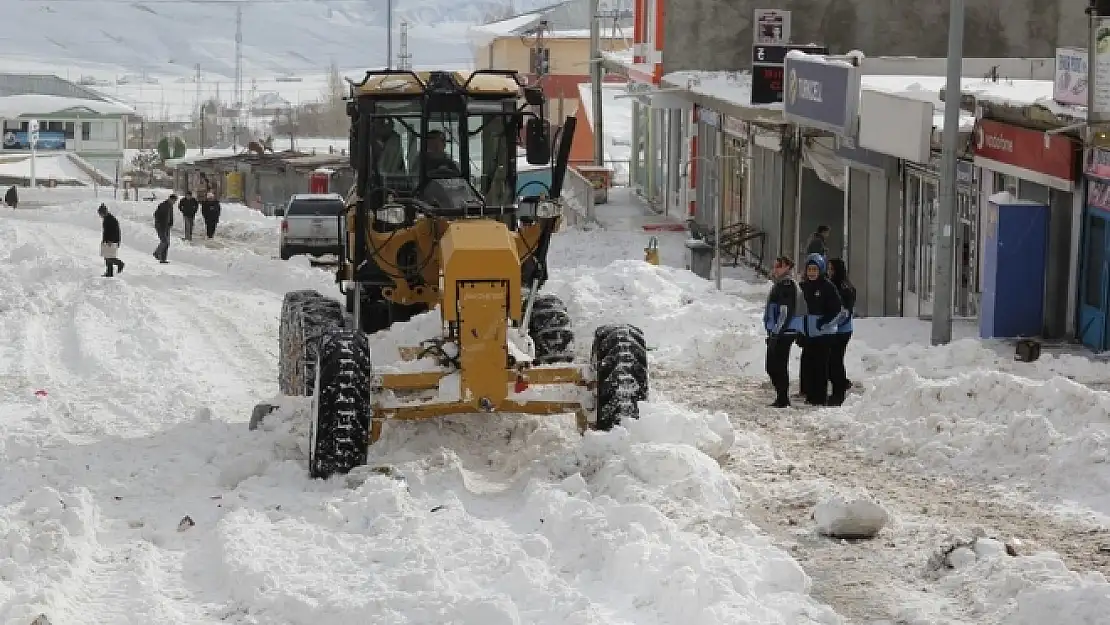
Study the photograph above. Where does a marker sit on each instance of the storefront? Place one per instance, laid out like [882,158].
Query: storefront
[824,97]
[874,204]
[734,166]
[1042,168]
[1094,270]
[921,202]
[706,166]
[655,167]
[770,186]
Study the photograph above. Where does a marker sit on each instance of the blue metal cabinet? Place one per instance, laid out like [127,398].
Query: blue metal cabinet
[1015,256]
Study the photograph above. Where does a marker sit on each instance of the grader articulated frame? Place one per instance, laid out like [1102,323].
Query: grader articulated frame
[419,239]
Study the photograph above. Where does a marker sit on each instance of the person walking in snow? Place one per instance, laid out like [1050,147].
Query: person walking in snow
[109,241]
[783,323]
[210,210]
[824,314]
[163,222]
[188,207]
[838,342]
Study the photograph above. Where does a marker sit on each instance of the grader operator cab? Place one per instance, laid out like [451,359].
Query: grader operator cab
[433,221]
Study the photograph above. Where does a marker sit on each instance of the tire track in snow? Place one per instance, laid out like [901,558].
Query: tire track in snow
[102,349]
[872,580]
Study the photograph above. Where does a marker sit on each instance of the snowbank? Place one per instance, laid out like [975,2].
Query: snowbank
[1000,428]
[503,520]
[688,324]
[1027,589]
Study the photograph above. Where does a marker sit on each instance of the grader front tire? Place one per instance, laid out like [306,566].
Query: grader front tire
[341,404]
[305,316]
[551,331]
[619,358]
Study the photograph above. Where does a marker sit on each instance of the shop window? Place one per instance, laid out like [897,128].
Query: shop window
[1033,192]
[53,127]
[69,130]
[928,213]
[1096,259]
[86,131]
[913,203]
[1002,182]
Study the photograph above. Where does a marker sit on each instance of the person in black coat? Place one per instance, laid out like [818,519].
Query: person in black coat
[838,342]
[781,320]
[188,207]
[163,222]
[824,312]
[109,241]
[210,210]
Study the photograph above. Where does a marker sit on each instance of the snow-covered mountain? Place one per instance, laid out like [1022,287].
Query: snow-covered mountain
[281,36]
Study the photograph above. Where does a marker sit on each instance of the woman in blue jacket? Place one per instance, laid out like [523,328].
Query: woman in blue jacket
[823,316]
[838,343]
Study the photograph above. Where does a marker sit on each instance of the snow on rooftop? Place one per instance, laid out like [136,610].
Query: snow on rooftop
[819,59]
[508,26]
[726,86]
[584,33]
[14,106]
[735,87]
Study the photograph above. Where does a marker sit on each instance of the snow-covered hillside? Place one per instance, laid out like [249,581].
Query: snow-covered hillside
[171,38]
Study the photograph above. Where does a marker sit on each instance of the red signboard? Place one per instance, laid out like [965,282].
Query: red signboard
[1027,149]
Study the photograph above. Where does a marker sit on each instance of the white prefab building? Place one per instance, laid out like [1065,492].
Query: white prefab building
[71,119]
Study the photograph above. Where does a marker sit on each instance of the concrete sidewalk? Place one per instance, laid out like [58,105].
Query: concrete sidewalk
[625,211]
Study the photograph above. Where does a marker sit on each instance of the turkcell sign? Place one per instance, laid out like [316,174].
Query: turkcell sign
[821,94]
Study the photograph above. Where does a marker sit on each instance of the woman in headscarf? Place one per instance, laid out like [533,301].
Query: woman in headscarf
[838,275]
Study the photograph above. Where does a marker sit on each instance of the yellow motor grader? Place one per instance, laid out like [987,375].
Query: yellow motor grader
[434,221]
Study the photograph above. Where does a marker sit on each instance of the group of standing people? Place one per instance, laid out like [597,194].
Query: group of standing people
[816,313]
[163,223]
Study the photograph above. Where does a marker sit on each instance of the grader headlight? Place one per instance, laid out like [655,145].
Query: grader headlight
[393,214]
[548,208]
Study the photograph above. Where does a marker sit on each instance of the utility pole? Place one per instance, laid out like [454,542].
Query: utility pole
[389,34]
[404,57]
[198,102]
[945,258]
[595,82]
[238,72]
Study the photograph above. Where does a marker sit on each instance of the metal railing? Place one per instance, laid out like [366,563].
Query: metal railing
[578,194]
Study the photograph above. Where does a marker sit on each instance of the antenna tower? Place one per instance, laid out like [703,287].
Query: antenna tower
[238,70]
[404,57]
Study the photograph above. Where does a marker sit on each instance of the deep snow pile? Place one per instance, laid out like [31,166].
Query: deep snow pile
[1053,436]
[1031,589]
[125,405]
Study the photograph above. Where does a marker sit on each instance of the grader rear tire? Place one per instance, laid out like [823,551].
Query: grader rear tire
[619,358]
[551,331]
[341,404]
[305,316]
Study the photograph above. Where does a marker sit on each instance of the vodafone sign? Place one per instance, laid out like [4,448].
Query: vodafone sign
[1025,153]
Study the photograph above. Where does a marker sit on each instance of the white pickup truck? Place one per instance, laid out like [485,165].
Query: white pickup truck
[311,225]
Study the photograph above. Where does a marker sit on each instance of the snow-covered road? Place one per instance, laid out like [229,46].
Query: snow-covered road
[134,493]
[123,410]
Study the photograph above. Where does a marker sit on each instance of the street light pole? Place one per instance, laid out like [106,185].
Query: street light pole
[945,258]
[595,83]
